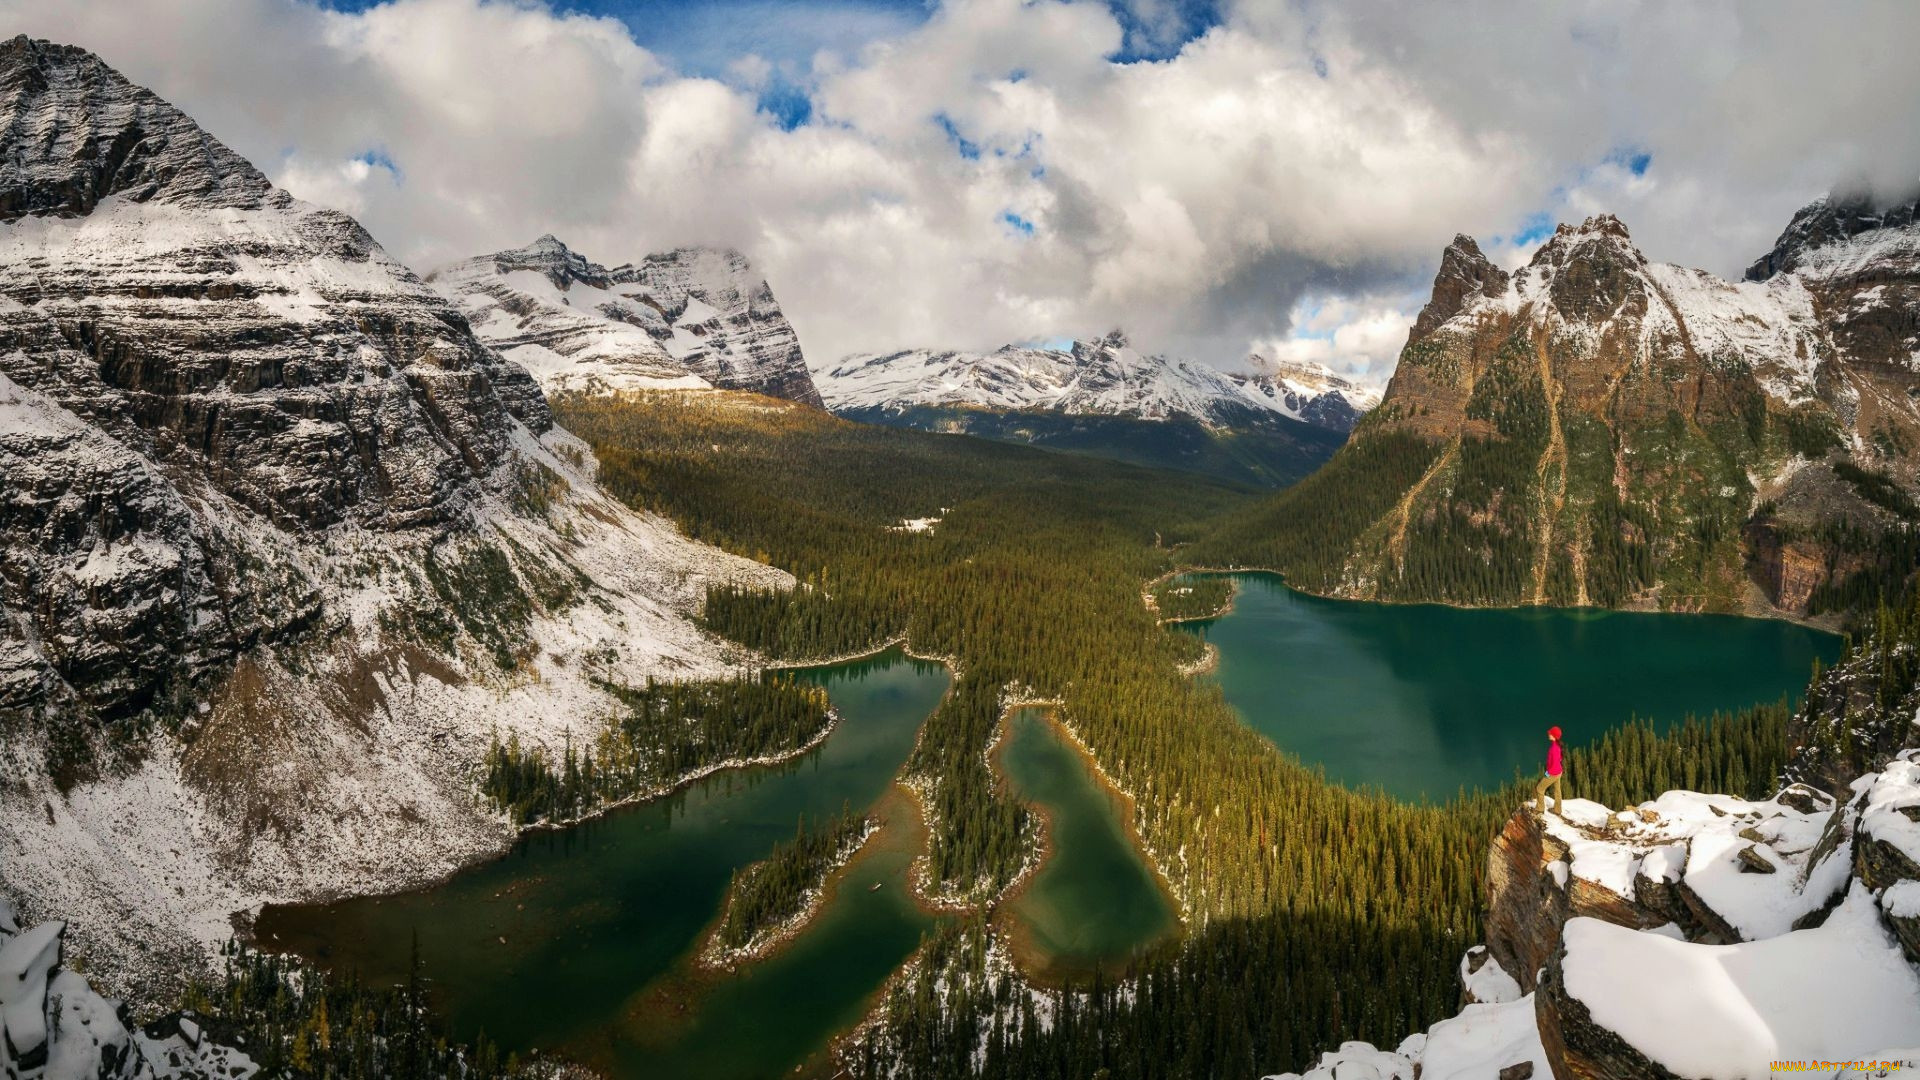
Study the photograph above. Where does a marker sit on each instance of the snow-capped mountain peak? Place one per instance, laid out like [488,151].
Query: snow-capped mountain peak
[685,319]
[1307,390]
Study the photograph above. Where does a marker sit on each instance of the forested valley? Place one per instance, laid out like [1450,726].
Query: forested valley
[1315,913]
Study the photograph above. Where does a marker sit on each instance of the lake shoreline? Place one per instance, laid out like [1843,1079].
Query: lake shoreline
[886,706]
[882,821]
[1823,624]
[1028,956]
[1153,605]
[243,920]
[715,957]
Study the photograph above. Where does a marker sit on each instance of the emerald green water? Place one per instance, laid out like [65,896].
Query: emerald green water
[1093,901]
[1424,700]
[578,940]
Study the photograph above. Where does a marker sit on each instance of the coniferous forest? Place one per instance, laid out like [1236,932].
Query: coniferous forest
[766,895]
[300,1022]
[667,731]
[1316,913]
[1181,598]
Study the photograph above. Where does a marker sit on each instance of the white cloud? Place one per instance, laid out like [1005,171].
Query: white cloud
[1359,338]
[1299,157]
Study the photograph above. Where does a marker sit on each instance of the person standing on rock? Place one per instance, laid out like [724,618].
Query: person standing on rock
[1552,778]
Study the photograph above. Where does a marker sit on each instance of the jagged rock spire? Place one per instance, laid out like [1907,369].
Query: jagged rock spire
[1464,272]
[551,257]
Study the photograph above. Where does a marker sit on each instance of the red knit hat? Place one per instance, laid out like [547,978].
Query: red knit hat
[1553,733]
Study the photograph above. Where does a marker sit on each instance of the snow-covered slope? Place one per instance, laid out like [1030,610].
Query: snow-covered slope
[1097,378]
[1010,377]
[690,318]
[283,542]
[1306,391]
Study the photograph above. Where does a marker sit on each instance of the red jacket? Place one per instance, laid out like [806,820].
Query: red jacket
[1553,758]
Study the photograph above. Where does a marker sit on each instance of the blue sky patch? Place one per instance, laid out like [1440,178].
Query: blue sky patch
[1164,35]
[701,37]
[1016,222]
[1632,159]
[788,106]
[379,160]
[968,149]
[1537,227]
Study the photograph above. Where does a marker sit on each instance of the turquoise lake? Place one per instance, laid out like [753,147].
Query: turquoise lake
[1423,700]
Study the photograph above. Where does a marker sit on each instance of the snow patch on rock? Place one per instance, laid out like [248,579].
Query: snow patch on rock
[1838,992]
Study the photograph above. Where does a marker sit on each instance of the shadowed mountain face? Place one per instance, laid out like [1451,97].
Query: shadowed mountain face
[199,369]
[683,319]
[282,543]
[1596,428]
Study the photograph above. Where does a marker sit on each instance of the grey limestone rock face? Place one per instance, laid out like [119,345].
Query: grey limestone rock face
[683,318]
[77,132]
[199,374]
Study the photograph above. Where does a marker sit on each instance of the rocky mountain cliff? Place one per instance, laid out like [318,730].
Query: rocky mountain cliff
[689,318]
[284,541]
[1598,428]
[1107,377]
[176,335]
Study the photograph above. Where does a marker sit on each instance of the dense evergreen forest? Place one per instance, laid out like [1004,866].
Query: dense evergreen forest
[1863,708]
[1253,993]
[666,731]
[766,895]
[1031,577]
[1310,528]
[303,1023]
[1742,754]
[1318,913]
[1261,449]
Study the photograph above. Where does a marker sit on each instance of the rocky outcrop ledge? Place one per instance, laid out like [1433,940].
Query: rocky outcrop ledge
[54,1025]
[1690,936]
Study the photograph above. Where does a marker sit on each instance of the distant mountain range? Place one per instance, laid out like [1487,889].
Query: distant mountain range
[1269,425]
[698,318]
[1598,428]
[701,318]
[1107,377]
[683,319]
